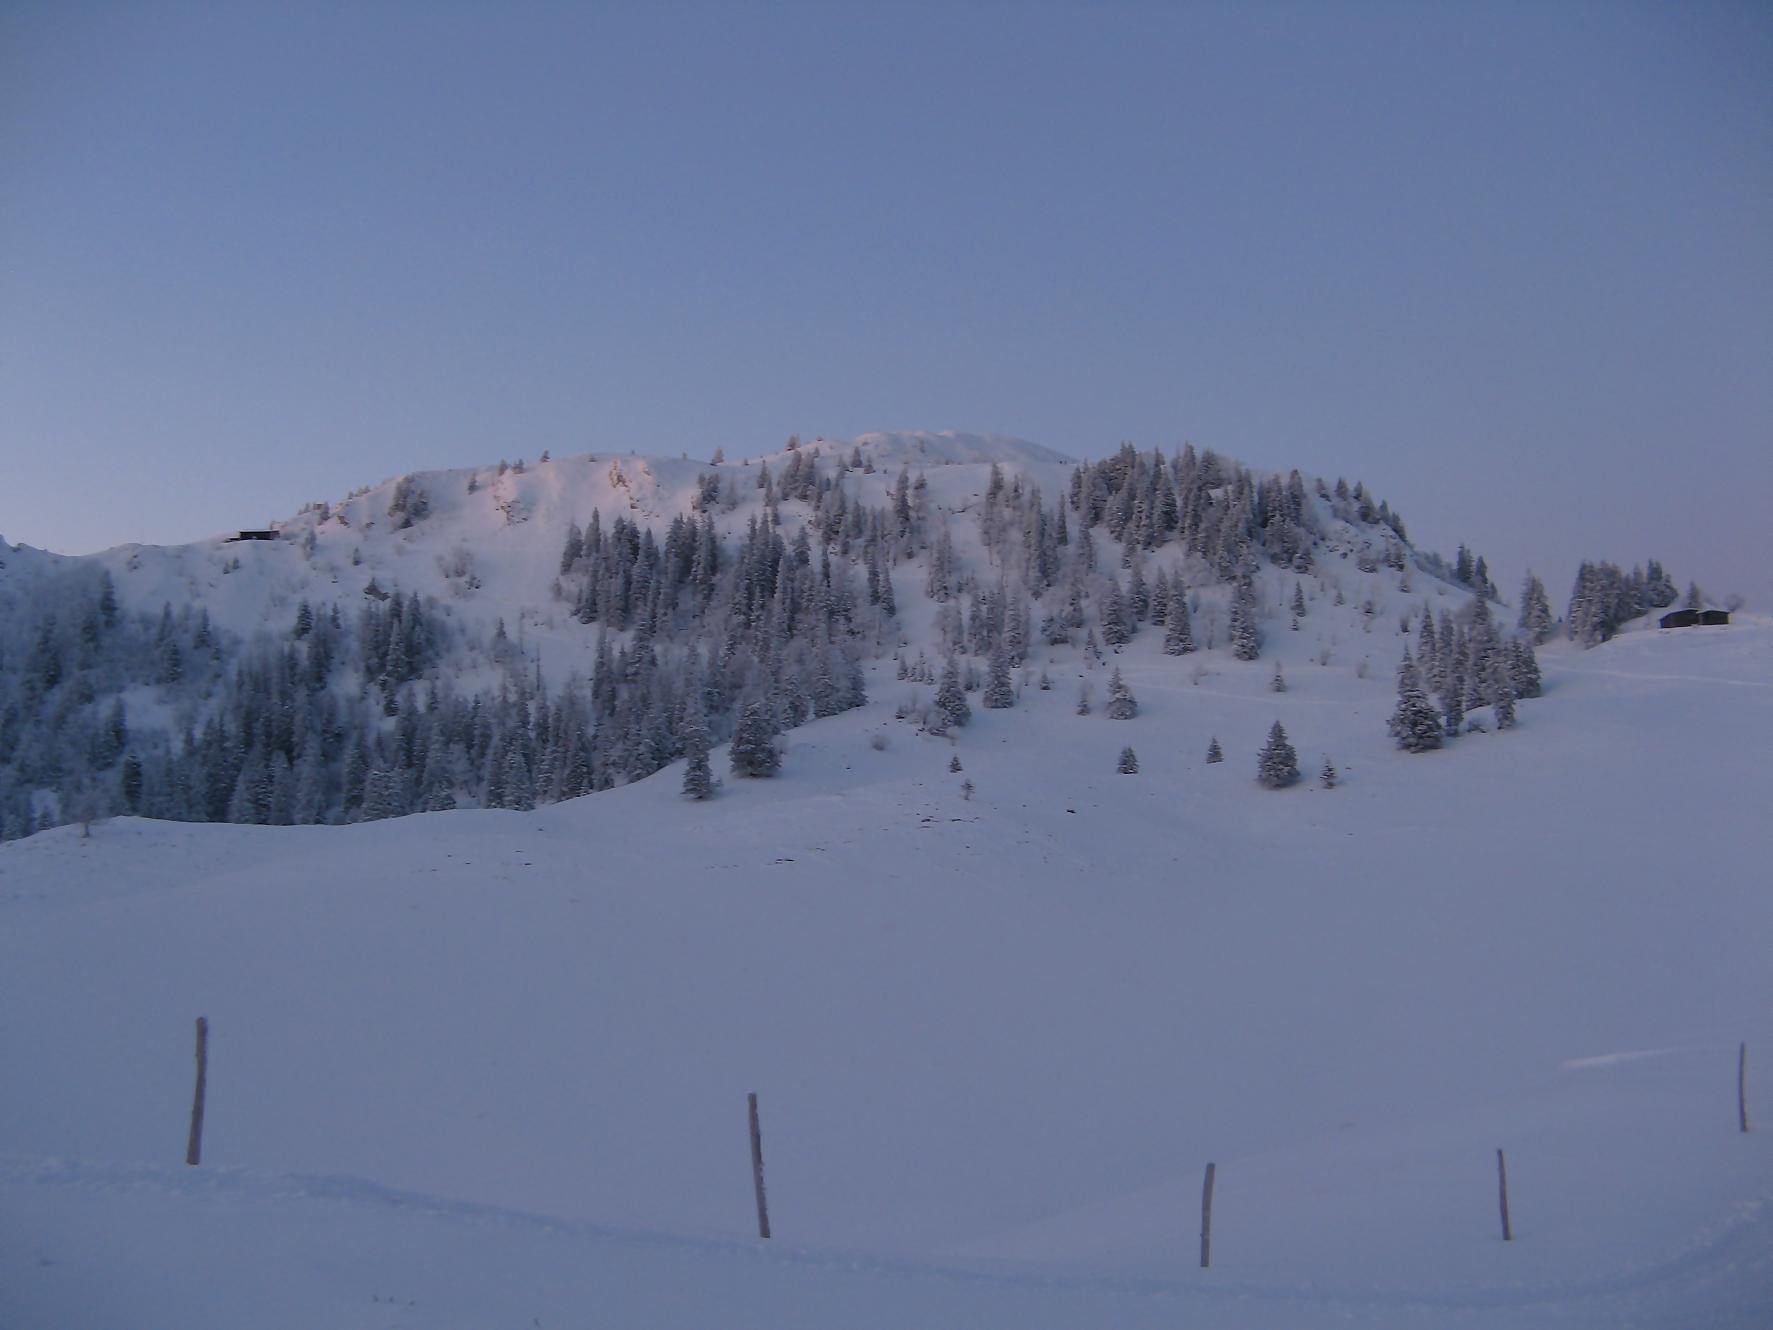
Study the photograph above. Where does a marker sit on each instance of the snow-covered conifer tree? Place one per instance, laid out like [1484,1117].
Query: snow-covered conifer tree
[1246,639]
[1117,622]
[1214,752]
[698,776]
[1415,723]
[1122,705]
[1523,669]
[754,748]
[951,698]
[999,692]
[1277,765]
[1501,690]
[1453,704]
[1178,632]
[1535,612]
[1129,762]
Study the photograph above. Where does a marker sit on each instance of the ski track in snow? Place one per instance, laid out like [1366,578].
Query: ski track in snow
[1616,1059]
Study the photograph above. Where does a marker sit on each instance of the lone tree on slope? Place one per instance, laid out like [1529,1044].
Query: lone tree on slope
[1129,762]
[1278,765]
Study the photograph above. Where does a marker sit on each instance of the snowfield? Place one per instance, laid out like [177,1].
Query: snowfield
[488,1068]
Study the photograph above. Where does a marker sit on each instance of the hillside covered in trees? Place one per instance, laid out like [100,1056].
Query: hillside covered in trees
[515,635]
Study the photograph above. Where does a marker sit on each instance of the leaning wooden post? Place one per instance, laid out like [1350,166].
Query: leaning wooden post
[763,1209]
[1206,1219]
[194,1147]
[1742,1086]
[1502,1185]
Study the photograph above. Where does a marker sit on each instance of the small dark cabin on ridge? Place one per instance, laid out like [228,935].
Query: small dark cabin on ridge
[1695,618]
[252,535]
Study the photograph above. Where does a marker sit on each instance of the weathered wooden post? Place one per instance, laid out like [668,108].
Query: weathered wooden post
[763,1209]
[1742,1086]
[194,1146]
[1502,1185]
[1206,1219]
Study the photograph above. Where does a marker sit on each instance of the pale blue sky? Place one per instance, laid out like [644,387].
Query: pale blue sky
[1510,263]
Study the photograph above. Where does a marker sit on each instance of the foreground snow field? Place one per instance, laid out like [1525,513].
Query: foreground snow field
[489,1068]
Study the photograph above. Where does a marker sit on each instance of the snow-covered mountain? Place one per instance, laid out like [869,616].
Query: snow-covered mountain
[1000,1002]
[406,641]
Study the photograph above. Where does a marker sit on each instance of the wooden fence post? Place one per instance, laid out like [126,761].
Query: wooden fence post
[1502,1186]
[194,1146]
[763,1209]
[1206,1219]
[1742,1086]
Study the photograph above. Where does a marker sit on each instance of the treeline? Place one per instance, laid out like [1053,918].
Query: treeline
[1605,597]
[1223,513]
[347,717]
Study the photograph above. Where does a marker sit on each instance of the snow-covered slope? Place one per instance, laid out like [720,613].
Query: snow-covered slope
[490,1067]
[489,548]
[925,448]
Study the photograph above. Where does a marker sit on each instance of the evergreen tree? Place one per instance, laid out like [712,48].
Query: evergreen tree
[1535,613]
[1523,668]
[698,777]
[1501,691]
[1214,752]
[754,749]
[1246,639]
[381,795]
[1426,643]
[517,783]
[1129,763]
[1327,777]
[954,763]
[1117,620]
[129,784]
[1178,632]
[1414,724]
[951,698]
[1277,765]
[1000,692]
[1453,704]
[1121,703]
[1278,684]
